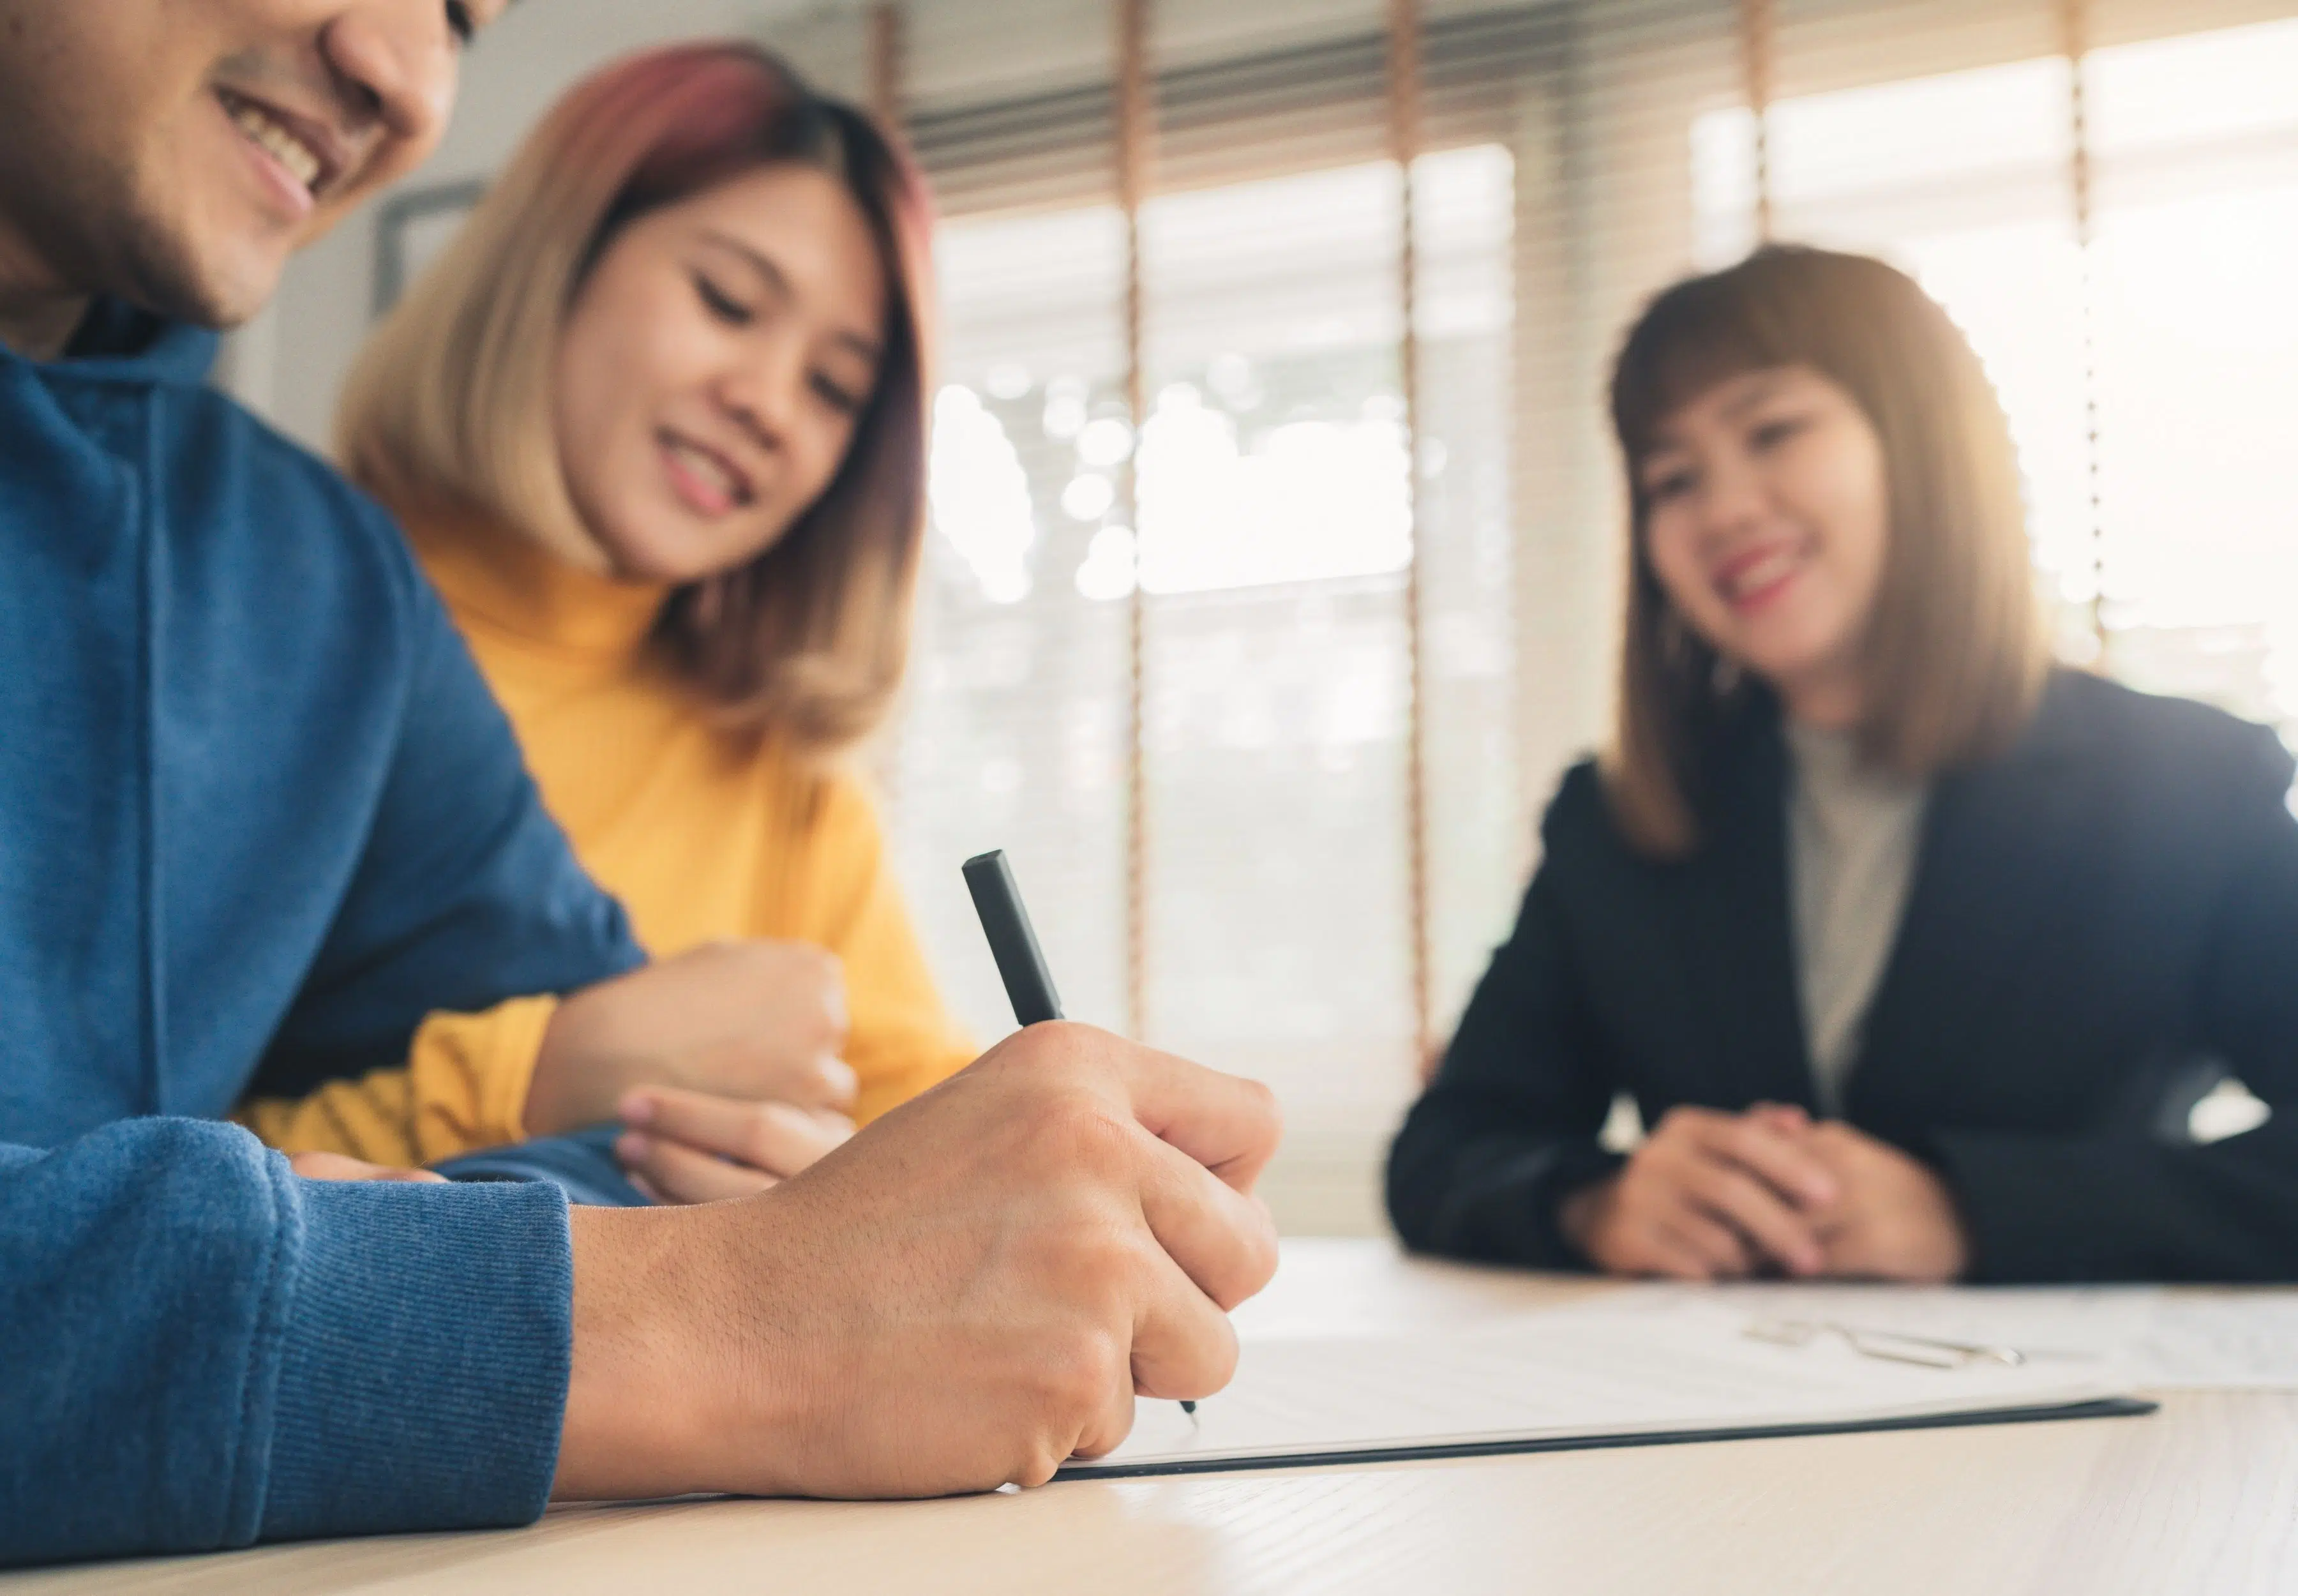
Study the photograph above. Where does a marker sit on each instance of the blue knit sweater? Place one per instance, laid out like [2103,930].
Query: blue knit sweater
[258,816]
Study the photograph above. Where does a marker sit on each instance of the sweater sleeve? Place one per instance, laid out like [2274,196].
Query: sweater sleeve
[199,1351]
[900,1039]
[2123,1205]
[1507,1128]
[464,1087]
[467,893]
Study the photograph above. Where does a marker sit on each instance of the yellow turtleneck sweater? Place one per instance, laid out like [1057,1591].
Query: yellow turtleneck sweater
[700,836]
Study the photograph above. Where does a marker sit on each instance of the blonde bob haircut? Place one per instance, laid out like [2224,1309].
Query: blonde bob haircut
[1957,649]
[448,414]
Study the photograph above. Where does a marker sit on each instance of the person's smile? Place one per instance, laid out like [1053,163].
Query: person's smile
[706,479]
[1751,580]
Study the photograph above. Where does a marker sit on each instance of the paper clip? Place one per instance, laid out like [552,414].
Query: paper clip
[1896,1346]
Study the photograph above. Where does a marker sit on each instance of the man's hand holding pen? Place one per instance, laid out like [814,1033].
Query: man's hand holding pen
[1017,1253]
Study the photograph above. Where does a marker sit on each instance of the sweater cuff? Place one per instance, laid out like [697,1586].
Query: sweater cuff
[472,1073]
[424,1358]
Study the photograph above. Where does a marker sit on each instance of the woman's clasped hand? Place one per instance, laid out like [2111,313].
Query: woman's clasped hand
[1712,1195]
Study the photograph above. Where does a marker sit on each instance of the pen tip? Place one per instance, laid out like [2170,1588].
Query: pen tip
[1188,1406]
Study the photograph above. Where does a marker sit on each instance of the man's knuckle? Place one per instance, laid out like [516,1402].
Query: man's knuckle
[1078,1378]
[1074,1046]
[1109,1259]
[1083,1136]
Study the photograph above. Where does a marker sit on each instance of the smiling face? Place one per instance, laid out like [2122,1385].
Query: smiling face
[1767,521]
[713,369]
[175,152]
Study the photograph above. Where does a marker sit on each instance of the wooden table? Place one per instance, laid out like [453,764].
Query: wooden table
[2201,1498]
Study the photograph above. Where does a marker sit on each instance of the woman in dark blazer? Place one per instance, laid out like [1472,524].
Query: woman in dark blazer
[1896,934]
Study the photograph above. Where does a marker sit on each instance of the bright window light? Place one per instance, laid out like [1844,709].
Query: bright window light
[1311,500]
[1107,572]
[980,495]
[1088,496]
[1104,442]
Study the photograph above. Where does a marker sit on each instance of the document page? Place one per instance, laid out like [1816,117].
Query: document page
[1644,1366]
[2137,1336]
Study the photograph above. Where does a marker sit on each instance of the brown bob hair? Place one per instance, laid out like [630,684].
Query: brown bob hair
[447,414]
[1956,648]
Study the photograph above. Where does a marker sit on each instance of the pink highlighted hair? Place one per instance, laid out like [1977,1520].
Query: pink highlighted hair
[447,415]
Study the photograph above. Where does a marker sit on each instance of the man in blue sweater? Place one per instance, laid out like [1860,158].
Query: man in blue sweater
[255,806]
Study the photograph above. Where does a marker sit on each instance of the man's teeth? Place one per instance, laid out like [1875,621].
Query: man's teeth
[282,146]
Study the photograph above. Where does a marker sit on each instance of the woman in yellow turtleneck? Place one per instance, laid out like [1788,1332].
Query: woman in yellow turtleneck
[656,429]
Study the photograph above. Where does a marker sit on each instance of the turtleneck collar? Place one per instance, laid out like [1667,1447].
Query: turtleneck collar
[511,584]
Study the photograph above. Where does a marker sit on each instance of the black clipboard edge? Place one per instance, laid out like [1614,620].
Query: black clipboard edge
[2111,1407]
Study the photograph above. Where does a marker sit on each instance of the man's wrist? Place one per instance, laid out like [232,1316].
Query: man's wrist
[672,1386]
[632,1385]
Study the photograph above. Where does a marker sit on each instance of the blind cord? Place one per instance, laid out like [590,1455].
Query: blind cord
[1135,130]
[885,65]
[1759,26]
[1405,135]
[2074,22]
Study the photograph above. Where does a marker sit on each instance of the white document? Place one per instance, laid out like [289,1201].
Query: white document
[2140,1337]
[1643,1367]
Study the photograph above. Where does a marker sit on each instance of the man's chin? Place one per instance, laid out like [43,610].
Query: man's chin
[218,298]
[238,310]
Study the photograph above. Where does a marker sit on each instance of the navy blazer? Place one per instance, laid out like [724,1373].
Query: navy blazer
[2092,914]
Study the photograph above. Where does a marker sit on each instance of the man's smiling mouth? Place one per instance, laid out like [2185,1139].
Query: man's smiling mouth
[276,139]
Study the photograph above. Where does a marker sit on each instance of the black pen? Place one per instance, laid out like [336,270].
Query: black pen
[1021,962]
